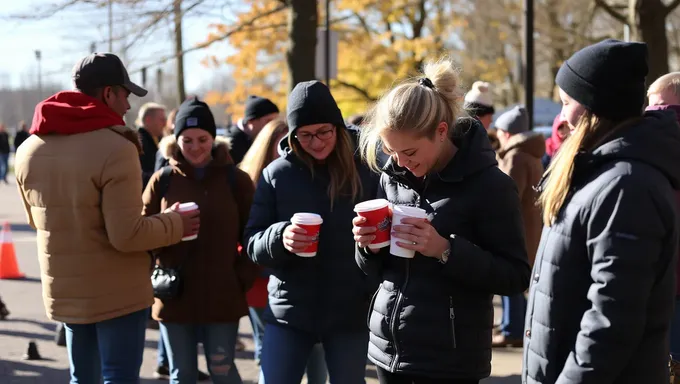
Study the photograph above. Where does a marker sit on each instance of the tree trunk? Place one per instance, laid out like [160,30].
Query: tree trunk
[652,30]
[303,19]
[179,51]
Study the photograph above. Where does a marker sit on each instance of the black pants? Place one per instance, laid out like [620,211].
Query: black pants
[386,377]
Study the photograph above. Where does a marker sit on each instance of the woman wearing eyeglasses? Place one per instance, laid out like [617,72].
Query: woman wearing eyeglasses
[321,299]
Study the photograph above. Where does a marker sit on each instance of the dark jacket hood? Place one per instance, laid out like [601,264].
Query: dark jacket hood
[653,140]
[474,155]
[68,113]
[531,143]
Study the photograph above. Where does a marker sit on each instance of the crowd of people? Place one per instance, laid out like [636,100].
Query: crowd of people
[577,232]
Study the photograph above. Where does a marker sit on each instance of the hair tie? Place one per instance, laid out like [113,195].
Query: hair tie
[426,82]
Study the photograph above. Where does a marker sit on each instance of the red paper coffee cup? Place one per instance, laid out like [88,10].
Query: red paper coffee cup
[310,222]
[377,214]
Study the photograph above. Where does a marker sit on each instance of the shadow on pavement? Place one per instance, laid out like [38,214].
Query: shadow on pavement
[21,228]
[514,379]
[21,373]
[48,326]
[27,279]
[27,335]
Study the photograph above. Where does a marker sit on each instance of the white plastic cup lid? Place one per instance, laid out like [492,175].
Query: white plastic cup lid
[371,205]
[186,207]
[306,218]
[404,210]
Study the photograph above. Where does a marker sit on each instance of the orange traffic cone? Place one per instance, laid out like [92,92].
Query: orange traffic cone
[9,269]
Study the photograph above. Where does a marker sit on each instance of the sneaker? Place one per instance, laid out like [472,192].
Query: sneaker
[162,373]
[202,376]
[500,341]
[3,311]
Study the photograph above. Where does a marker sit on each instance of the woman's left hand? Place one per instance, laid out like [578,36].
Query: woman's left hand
[420,236]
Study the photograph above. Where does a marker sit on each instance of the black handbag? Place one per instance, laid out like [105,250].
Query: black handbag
[167,283]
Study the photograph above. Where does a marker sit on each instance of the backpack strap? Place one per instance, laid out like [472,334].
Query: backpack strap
[231,178]
[164,181]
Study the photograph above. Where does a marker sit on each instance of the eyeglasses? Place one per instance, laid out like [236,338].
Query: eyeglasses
[323,134]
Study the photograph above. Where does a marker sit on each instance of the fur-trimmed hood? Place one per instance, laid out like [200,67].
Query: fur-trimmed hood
[169,149]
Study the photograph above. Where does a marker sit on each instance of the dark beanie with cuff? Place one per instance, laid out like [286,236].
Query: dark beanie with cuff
[310,103]
[608,78]
[257,107]
[194,113]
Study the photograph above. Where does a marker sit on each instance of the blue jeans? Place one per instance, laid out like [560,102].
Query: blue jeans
[4,166]
[163,360]
[219,340]
[514,310]
[316,365]
[286,351]
[675,330]
[111,349]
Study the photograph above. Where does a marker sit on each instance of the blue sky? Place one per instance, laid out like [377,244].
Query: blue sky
[66,37]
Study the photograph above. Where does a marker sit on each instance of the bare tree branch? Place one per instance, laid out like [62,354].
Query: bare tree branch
[611,11]
[239,28]
[357,89]
[671,7]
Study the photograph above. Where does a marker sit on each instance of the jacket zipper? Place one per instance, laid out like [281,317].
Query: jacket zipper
[452,317]
[395,317]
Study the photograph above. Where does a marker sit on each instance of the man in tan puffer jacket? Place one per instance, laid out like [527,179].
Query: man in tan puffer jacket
[79,177]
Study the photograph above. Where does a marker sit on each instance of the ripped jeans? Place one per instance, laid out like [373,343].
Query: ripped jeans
[218,339]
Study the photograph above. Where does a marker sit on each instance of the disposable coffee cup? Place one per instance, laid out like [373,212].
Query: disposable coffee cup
[400,212]
[310,222]
[188,207]
[377,214]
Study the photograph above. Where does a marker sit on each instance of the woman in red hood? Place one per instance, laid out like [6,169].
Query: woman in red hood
[560,132]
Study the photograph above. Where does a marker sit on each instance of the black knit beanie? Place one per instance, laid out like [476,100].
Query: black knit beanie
[194,113]
[310,103]
[257,107]
[608,78]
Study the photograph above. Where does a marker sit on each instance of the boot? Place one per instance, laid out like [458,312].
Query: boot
[3,311]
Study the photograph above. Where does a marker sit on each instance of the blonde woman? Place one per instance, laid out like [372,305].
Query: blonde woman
[431,320]
[603,285]
[321,299]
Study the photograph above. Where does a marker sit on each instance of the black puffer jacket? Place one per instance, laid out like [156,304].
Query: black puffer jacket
[603,287]
[436,320]
[322,294]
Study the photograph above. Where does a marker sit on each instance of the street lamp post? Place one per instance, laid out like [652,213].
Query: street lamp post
[327,46]
[38,57]
[529,60]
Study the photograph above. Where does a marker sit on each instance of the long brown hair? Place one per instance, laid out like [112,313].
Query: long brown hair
[590,132]
[261,151]
[344,176]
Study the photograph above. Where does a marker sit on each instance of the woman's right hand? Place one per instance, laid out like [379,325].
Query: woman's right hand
[363,234]
[295,239]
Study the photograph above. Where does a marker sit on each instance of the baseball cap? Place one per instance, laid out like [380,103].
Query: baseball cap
[98,70]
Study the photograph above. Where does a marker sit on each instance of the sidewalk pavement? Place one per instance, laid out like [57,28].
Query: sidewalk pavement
[28,322]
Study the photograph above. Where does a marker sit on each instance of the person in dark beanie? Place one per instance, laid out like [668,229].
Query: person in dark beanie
[259,111]
[214,276]
[318,173]
[519,157]
[603,286]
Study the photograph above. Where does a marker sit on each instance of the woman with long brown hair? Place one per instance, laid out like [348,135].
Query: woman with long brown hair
[263,151]
[322,298]
[603,286]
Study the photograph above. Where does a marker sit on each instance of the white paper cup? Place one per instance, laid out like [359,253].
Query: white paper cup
[188,207]
[311,222]
[400,212]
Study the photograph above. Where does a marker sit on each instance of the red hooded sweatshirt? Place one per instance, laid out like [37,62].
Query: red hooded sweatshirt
[554,142]
[675,108]
[69,113]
